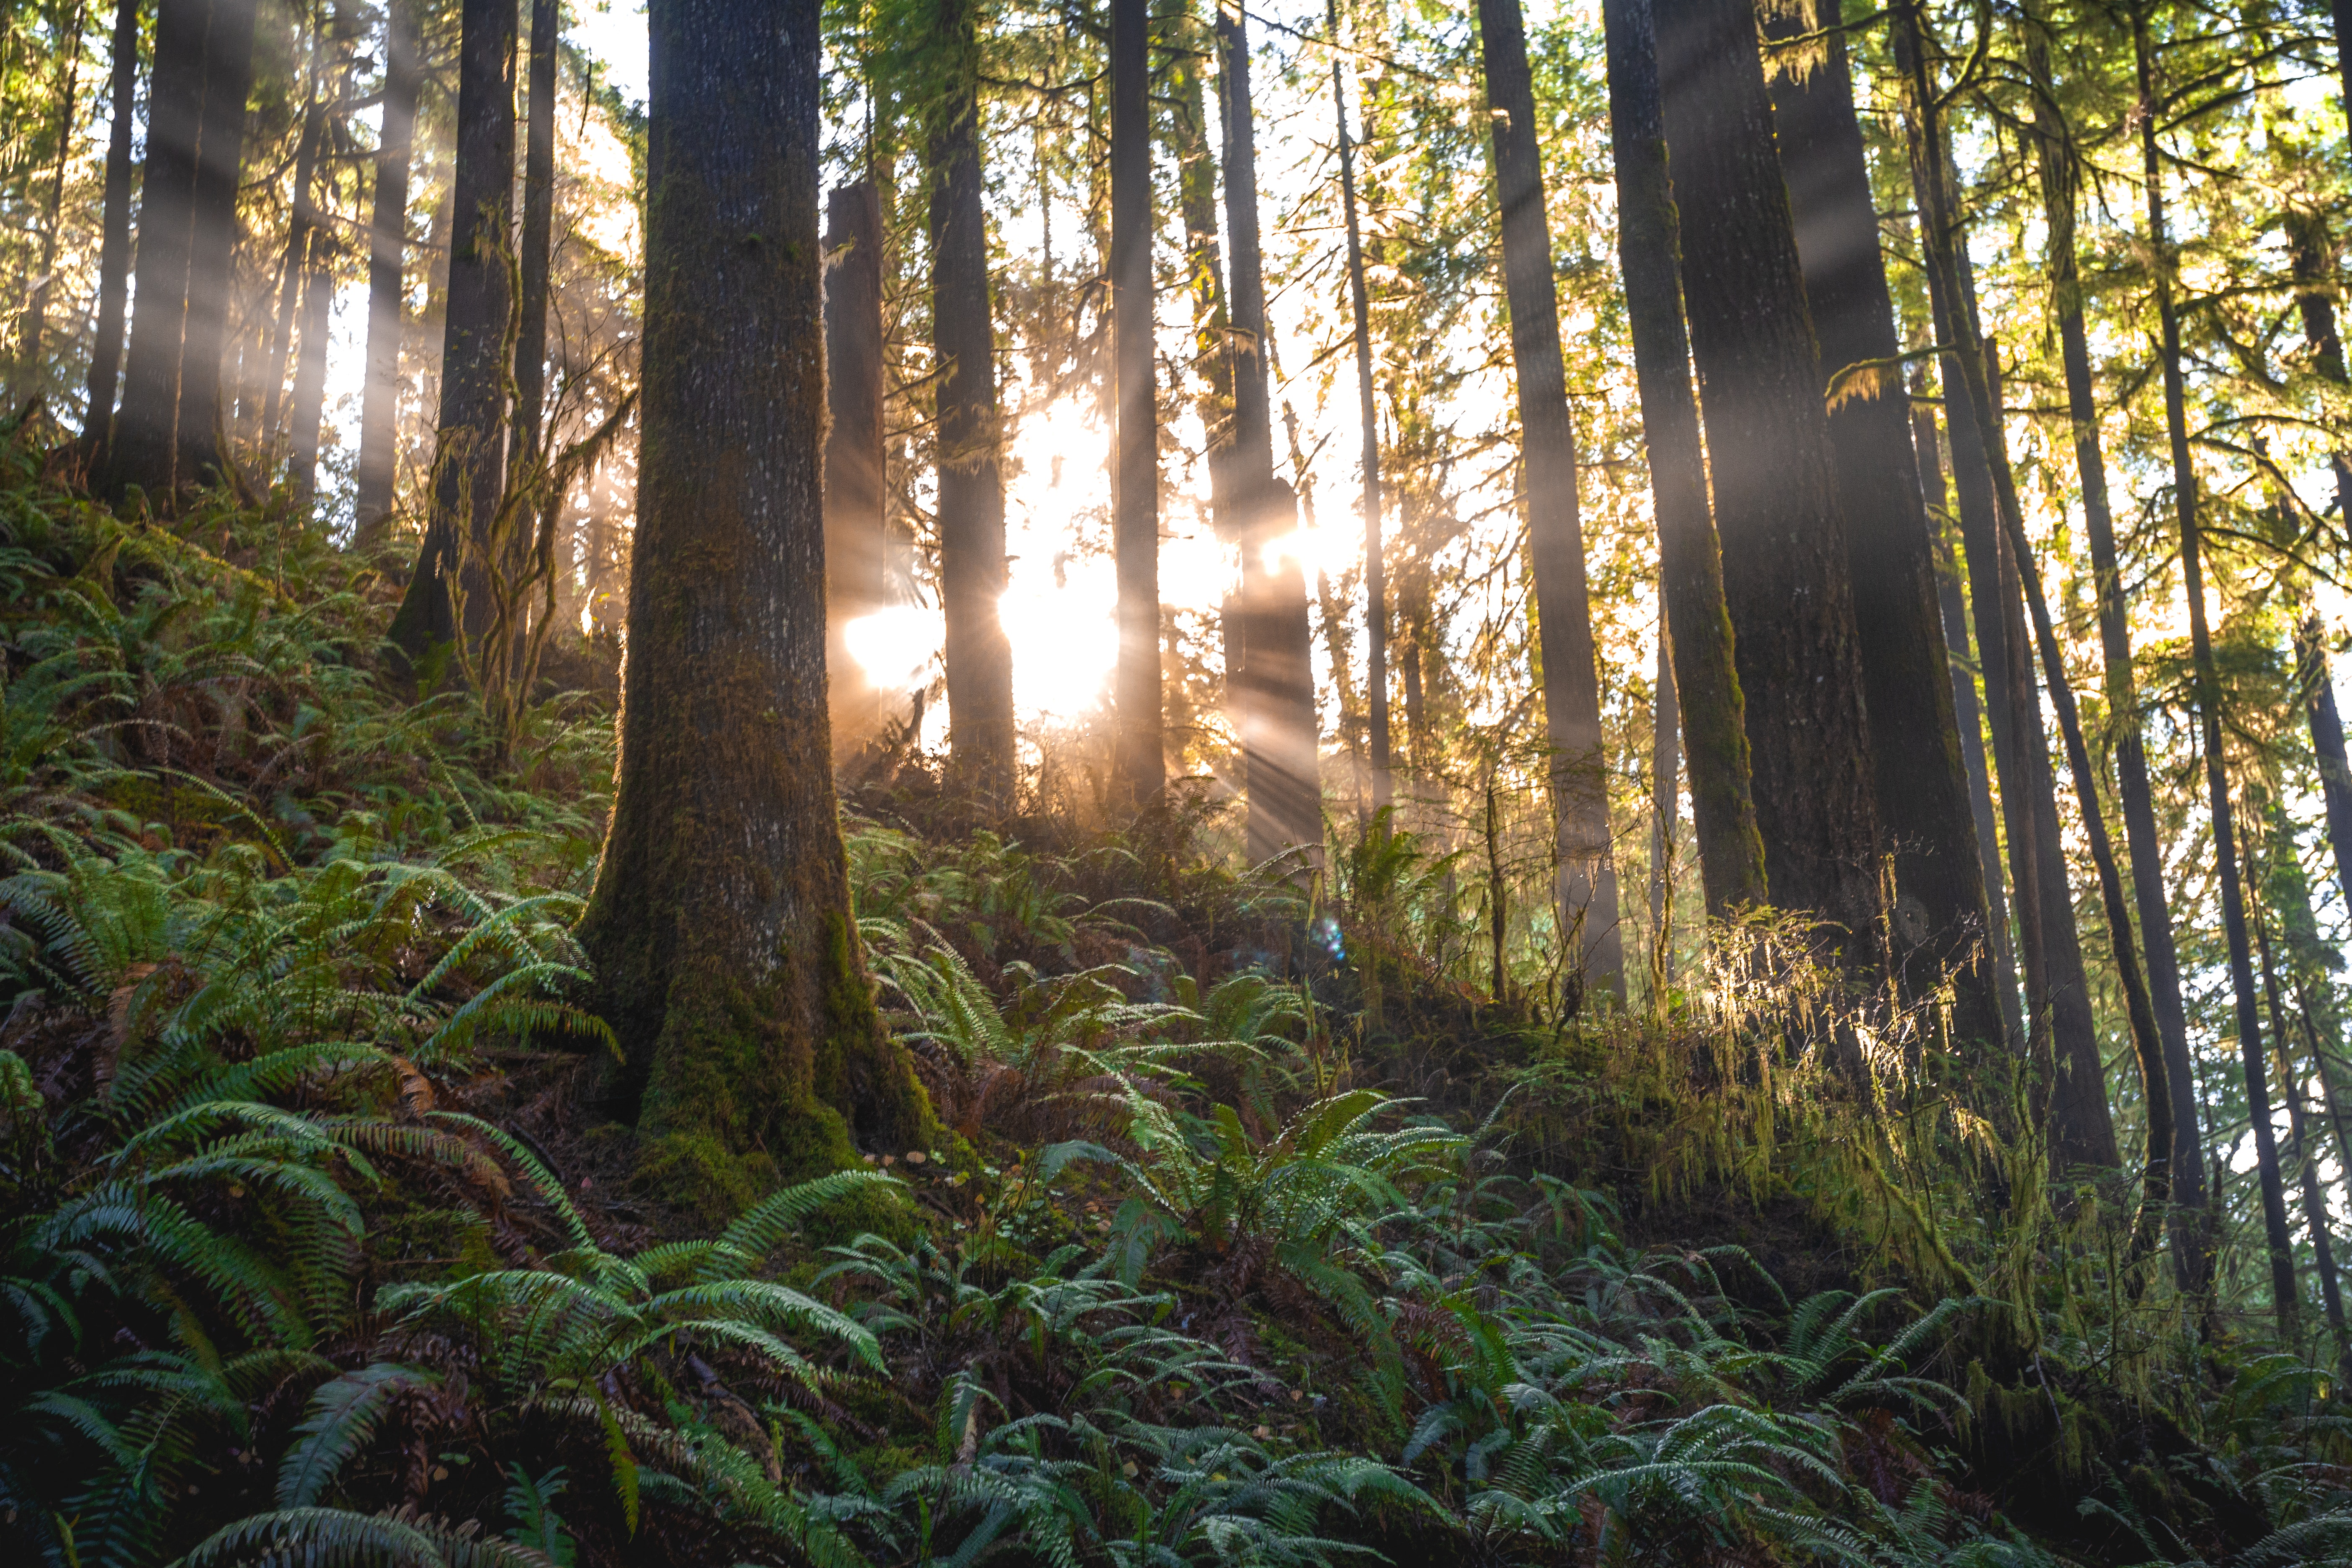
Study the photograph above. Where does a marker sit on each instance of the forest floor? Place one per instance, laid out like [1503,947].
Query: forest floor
[1261,1233]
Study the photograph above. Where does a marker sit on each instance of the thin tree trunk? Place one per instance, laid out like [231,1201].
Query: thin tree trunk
[2144,845]
[311,371]
[720,926]
[856,505]
[114,248]
[1968,717]
[31,373]
[1279,723]
[972,485]
[2062,1036]
[294,266]
[1690,565]
[387,273]
[1784,553]
[1571,680]
[1665,798]
[1941,918]
[2299,1152]
[2327,747]
[2314,265]
[2208,688]
[469,458]
[1139,768]
[538,227]
[170,407]
[1376,588]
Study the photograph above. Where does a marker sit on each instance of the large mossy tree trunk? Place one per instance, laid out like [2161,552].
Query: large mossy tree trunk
[855,560]
[1776,502]
[2056,157]
[1139,768]
[721,927]
[114,247]
[970,475]
[1942,922]
[469,458]
[1690,562]
[1279,723]
[164,434]
[403,74]
[1572,681]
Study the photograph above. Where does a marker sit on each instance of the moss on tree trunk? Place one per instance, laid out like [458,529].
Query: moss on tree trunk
[720,925]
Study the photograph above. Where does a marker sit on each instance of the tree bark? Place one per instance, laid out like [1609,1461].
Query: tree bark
[2299,1152]
[294,266]
[1665,810]
[165,437]
[720,926]
[538,227]
[114,248]
[1968,716]
[2142,840]
[30,373]
[1376,584]
[311,371]
[469,458]
[1139,768]
[1572,681]
[1280,723]
[1690,564]
[2208,688]
[855,504]
[1941,920]
[972,484]
[387,273]
[1784,550]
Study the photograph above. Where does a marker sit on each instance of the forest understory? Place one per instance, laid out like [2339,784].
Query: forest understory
[1257,1227]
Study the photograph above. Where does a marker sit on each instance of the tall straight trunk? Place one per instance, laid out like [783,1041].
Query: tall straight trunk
[720,926]
[1941,920]
[538,226]
[1784,552]
[387,272]
[114,247]
[2208,690]
[310,372]
[161,439]
[1690,564]
[1571,680]
[971,478]
[469,457]
[1968,717]
[2313,268]
[1139,768]
[1279,721]
[1665,810]
[2327,748]
[2299,1154]
[2063,1046]
[1376,582]
[2055,155]
[294,266]
[30,373]
[1212,361]
[855,503]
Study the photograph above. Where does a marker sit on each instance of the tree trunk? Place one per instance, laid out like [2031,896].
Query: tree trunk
[163,437]
[1690,565]
[1941,920]
[972,483]
[1376,586]
[294,266]
[1665,806]
[387,285]
[2146,846]
[855,503]
[2062,1036]
[30,373]
[1784,552]
[538,227]
[1139,769]
[2208,688]
[720,926]
[114,249]
[469,457]
[311,371]
[1968,717]
[2328,744]
[2299,1154]
[1572,680]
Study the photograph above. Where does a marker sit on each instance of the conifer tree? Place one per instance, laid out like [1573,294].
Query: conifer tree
[1139,769]
[854,499]
[404,75]
[114,253]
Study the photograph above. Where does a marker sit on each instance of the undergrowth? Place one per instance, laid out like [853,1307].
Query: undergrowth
[1267,1233]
